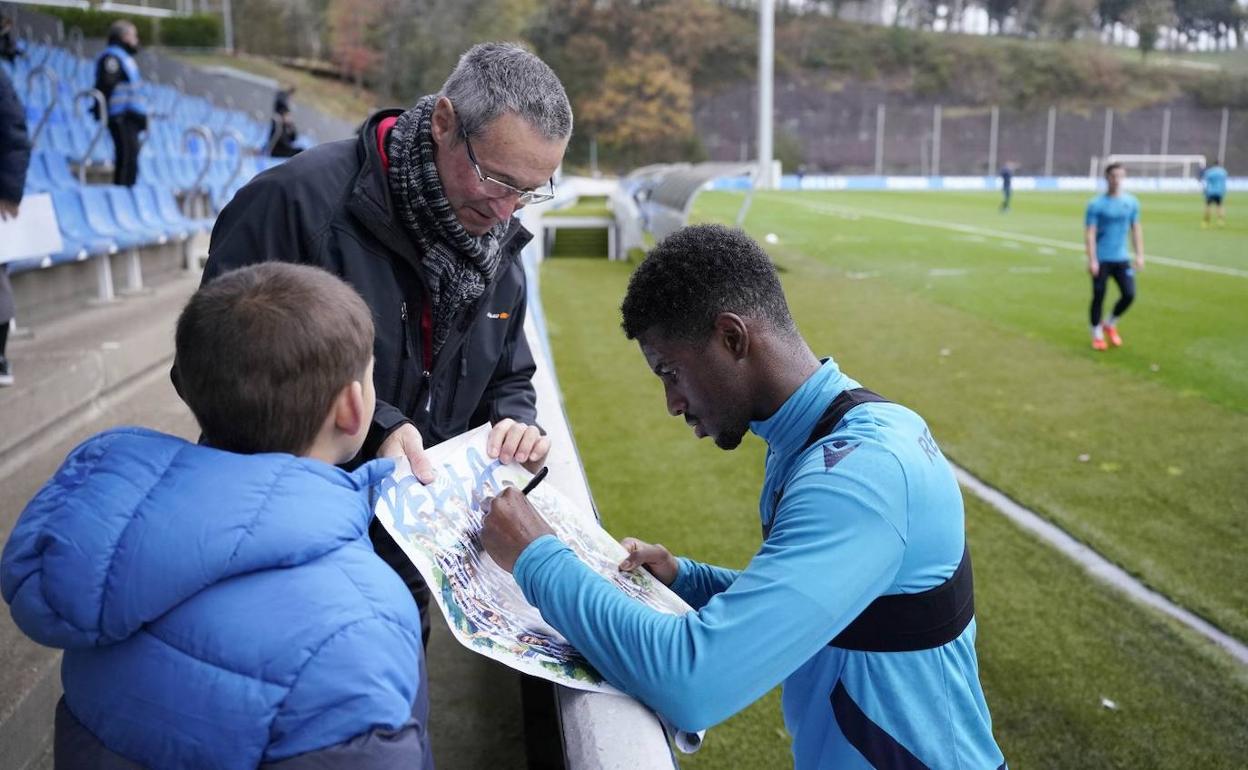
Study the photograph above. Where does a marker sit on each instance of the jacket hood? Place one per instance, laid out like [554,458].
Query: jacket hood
[136,522]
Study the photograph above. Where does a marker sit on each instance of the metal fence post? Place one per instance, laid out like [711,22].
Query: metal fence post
[1048,142]
[1165,136]
[879,140]
[1226,117]
[1107,142]
[936,140]
[766,63]
[992,140]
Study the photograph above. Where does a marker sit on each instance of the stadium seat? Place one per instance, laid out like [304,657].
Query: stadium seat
[71,218]
[37,180]
[127,215]
[144,199]
[58,171]
[99,216]
[170,210]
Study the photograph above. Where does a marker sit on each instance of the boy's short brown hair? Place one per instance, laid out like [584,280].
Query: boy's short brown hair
[262,351]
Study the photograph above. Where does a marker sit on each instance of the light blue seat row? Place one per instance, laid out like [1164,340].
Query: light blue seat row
[104,219]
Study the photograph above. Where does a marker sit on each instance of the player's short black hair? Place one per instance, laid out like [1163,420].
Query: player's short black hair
[1110,168]
[695,274]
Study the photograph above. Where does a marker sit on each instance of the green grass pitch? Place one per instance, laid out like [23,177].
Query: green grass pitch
[978,320]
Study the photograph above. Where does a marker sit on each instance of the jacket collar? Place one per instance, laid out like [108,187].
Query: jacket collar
[369,201]
[790,426]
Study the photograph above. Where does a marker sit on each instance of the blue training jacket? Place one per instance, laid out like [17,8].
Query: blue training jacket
[218,610]
[879,512]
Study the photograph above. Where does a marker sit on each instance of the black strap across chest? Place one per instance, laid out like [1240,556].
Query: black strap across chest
[899,622]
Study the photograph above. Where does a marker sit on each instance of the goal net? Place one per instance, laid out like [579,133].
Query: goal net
[1155,166]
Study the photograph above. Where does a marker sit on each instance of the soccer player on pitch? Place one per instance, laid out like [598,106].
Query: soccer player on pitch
[1214,181]
[1108,219]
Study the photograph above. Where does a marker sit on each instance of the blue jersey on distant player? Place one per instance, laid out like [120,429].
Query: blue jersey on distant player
[1215,181]
[1112,215]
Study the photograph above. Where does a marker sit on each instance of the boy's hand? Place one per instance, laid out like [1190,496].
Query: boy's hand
[405,441]
[510,524]
[510,440]
[1139,262]
[655,558]
[1094,266]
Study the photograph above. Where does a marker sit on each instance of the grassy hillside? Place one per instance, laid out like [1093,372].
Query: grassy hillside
[332,97]
[974,69]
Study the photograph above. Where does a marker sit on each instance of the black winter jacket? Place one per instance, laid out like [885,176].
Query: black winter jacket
[330,206]
[14,145]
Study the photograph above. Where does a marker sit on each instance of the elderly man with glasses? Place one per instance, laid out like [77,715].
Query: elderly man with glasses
[416,214]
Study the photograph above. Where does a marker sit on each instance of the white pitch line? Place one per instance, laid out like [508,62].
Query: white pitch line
[1096,565]
[839,210]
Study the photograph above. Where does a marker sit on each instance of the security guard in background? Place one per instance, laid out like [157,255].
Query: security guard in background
[117,77]
[283,125]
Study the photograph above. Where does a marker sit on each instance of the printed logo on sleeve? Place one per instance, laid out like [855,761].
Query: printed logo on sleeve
[838,451]
[498,316]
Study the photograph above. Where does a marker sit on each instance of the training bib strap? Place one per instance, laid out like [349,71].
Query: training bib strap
[901,622]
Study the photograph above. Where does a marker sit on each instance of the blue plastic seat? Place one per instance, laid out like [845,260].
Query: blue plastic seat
[171,172]
[58,171]
[71,251]
[151,171]
[189,168]
[99,216]
[56,138]
[124,211]
[171,211]
[145,204]
[72,219]
[25,265]
[37,174]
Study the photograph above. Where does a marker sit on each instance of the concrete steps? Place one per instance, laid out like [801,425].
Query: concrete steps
[105,366]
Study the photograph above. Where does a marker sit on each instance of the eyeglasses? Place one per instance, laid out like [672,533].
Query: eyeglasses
[502,189]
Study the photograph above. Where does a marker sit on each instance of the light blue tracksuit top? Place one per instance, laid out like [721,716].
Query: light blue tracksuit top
[872,509]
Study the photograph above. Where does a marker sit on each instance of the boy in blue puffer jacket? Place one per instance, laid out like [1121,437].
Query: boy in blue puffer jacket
[220,605]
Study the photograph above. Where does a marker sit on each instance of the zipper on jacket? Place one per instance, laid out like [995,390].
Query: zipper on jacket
[425,375]
[407,334]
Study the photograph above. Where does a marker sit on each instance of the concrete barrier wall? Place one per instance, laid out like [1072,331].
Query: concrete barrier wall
[54,292]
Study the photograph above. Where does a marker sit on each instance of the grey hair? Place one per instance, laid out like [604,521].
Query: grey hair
[118,28]
[496,78]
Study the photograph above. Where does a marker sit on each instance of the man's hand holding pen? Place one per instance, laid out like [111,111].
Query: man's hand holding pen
[511,523]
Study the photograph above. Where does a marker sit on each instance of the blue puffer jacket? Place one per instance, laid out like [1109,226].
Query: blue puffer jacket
[219,610]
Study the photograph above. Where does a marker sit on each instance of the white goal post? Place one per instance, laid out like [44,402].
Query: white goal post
[1178,166]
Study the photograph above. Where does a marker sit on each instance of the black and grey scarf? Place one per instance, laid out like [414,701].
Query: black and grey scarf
[457,266]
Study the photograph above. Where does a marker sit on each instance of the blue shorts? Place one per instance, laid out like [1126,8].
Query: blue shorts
[1213,200]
